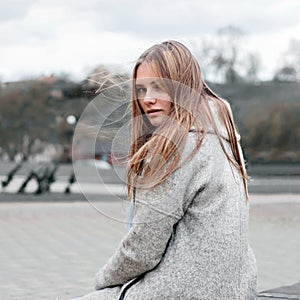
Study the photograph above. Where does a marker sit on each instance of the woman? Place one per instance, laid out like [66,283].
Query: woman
[186,177]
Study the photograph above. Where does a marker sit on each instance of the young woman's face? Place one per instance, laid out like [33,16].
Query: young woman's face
[152,97]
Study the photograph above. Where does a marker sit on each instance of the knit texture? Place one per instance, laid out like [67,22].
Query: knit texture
[189,236]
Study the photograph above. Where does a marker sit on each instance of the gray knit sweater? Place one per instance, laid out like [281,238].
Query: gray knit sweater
[189,238]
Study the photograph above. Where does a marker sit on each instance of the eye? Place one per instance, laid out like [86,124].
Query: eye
[141,92]
[157,87]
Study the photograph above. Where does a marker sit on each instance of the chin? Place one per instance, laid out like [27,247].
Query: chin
[155,123]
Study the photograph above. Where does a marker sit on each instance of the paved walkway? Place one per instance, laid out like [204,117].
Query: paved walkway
[52,250]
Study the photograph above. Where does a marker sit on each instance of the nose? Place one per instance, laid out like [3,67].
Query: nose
[149,99]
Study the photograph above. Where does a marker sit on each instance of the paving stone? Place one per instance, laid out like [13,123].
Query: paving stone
[52,250]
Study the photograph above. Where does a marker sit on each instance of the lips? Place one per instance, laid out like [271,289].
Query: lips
[153,111]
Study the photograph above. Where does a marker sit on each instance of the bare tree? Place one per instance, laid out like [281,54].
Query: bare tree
[222,58]
[289,69]
[228,49]
[286,73]
[253,65]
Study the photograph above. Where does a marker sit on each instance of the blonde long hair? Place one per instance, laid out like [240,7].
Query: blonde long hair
[155,152]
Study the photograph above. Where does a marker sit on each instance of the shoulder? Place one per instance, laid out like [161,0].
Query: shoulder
[218,116]
[208,142]
[198,156]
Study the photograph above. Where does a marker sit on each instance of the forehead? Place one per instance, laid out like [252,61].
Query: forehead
[145,74]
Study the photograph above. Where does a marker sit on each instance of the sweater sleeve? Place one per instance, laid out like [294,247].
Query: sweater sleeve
[157,210]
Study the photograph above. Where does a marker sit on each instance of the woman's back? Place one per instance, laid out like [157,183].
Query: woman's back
[208,256]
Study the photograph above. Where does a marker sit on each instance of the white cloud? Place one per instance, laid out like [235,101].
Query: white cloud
[38,36]
[14,9]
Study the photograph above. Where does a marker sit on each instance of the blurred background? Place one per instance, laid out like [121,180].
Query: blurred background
[57,57]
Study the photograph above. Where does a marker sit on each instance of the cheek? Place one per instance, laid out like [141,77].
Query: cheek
[167,106]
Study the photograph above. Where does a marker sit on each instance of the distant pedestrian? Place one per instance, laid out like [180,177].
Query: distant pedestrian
[188,237]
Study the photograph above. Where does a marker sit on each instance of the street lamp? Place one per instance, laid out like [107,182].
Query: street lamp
[71,120]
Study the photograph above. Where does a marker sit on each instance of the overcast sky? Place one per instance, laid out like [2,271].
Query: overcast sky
[51,36]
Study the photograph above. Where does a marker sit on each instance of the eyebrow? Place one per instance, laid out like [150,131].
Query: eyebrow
[143,84]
